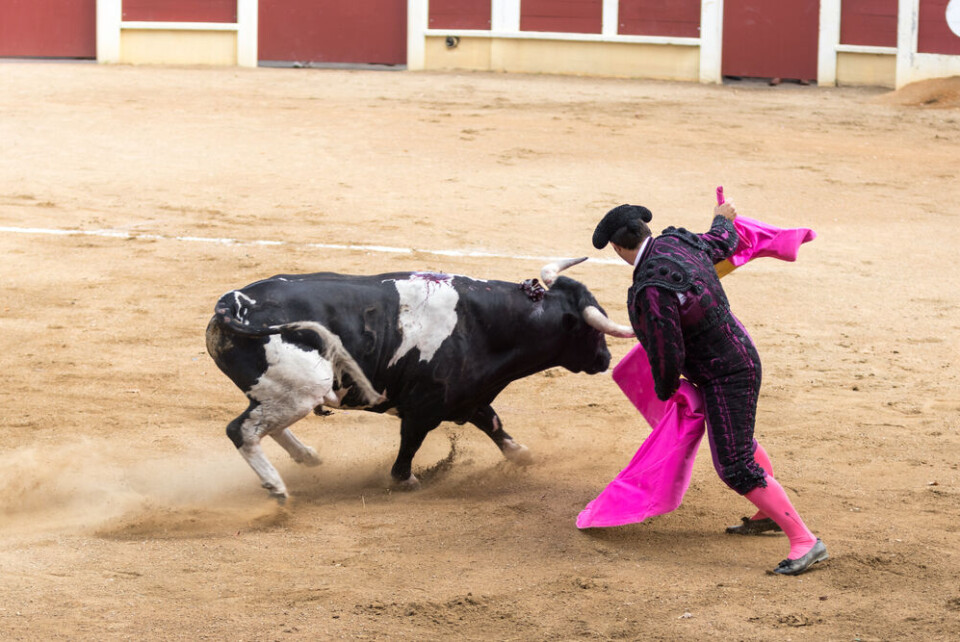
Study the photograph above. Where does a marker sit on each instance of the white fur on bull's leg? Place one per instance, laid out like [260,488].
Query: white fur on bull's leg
[411,483]
[246,432]
[302,454]
[486,419]
[269,477]
[516,453]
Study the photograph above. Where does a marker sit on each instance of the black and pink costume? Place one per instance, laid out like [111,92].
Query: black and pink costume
[683,320]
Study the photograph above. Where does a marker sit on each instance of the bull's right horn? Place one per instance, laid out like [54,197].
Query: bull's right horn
[596,319]
[550,271]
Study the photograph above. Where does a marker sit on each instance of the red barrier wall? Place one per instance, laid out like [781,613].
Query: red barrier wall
[180,10]
[870,23]
[564,16]
[48,28]
[459,14]
[771,38]
[657,18]
[359,31]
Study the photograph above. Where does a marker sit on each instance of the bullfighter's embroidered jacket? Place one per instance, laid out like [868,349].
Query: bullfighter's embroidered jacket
[676,303]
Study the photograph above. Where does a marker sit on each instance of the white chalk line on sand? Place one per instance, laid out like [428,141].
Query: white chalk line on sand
[382,249]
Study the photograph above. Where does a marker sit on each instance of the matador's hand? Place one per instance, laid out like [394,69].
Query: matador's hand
[727,210]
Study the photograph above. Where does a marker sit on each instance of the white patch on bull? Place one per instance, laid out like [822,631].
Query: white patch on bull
[427,315]
[295,382]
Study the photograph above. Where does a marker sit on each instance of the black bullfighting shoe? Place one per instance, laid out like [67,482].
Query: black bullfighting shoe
[795,567]
[753,526]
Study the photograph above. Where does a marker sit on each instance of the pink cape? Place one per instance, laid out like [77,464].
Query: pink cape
[655,480]
[759,239]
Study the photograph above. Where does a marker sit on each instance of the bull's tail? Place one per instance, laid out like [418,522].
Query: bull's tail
[340,358]
[334,351]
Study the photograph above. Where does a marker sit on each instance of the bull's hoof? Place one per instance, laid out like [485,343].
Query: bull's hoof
[278,494]
[310,458]
[409,484]
[517,453]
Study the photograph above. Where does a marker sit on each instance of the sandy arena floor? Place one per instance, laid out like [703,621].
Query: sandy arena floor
[125,513]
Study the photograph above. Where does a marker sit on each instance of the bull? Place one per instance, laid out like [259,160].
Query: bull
[426,347]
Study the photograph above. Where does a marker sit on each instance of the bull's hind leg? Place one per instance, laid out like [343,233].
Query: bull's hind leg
[296,380]
[486,419]
[301,453]
[255,423]
[245,433]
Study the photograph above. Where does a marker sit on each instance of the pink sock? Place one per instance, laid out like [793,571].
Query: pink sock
[773,501]
[761,457]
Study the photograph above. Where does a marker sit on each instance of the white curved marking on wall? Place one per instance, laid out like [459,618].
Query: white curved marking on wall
[953,17]
[428,314]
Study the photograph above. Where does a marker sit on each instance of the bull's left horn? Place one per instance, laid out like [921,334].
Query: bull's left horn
[550,271]
[596,319]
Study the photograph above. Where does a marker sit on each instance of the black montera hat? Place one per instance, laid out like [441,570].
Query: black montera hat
[634,217]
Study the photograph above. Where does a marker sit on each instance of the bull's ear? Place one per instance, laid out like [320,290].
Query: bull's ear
[569,322]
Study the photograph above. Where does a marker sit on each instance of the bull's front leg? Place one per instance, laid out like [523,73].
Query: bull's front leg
[487,420]
[412,434]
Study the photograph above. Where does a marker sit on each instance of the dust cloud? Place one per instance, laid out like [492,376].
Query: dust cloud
[98,487]
[103,488]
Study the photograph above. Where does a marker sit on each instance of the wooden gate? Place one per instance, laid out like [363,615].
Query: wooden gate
[333,31]
[48,28]
[771,38]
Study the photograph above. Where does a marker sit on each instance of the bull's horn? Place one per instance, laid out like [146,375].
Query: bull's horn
[550,271]
[596,319]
